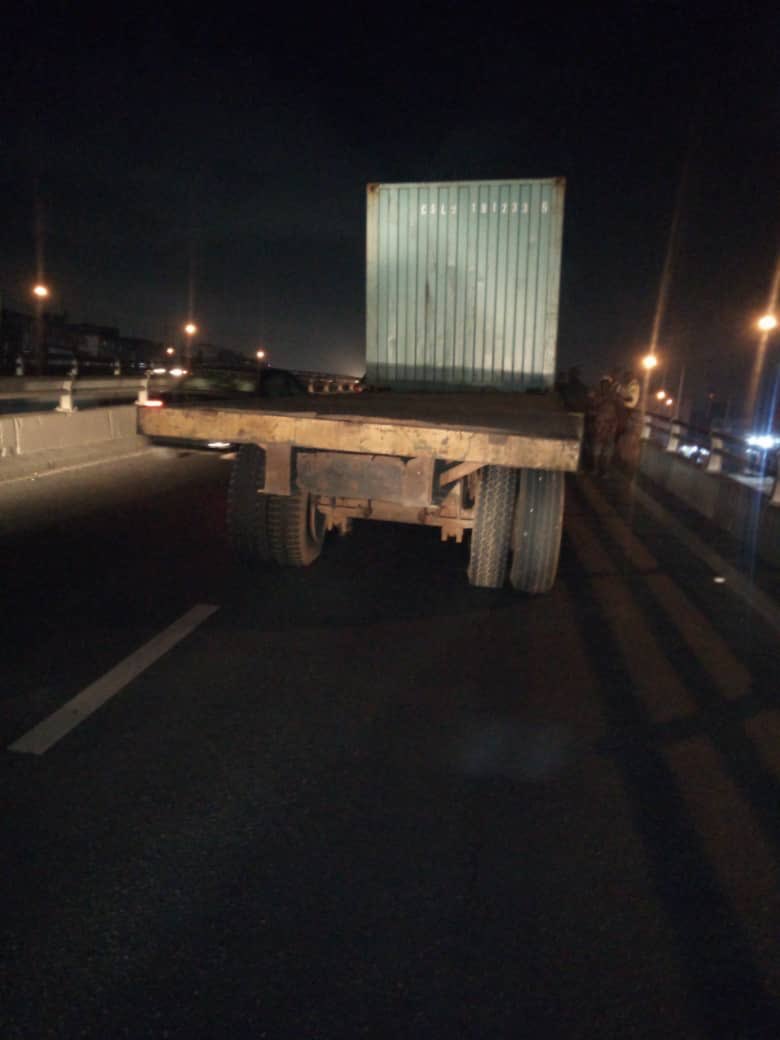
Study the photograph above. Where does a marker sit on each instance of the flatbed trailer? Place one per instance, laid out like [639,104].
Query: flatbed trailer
[462,285]
[488,462]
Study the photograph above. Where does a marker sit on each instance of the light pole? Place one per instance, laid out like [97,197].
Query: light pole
[649,362]
[766,325]
[41,293]
[191,330]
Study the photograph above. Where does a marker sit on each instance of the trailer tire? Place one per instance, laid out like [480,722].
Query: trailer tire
[247,511]
[491,534]
[296,530]
[537,529]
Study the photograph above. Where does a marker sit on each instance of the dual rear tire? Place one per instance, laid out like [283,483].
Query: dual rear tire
[518,512]
[284,528]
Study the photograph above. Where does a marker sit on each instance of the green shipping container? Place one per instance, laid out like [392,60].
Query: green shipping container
[462,284]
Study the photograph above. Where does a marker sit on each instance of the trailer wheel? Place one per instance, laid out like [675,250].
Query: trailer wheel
[247,510]
[296,529]
[536,533]
[491,534]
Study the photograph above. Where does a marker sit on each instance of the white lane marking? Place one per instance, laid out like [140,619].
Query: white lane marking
[757,600]
[55,471]
[41,737]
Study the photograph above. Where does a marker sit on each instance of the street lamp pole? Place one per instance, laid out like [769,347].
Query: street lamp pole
[41,293]
[680,386]
[766,325]
[191,330]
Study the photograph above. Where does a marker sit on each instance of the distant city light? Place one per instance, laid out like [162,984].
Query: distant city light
[41,291]
[178,372]
[669,402]
[170,351]
[767,323]
[762,440]
[661,395]
[260,355]
[190,328]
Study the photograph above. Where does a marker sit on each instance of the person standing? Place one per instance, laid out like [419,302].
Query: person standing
[605,416]
[630,389]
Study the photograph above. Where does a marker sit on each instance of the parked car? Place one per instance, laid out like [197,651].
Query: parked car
[221,383]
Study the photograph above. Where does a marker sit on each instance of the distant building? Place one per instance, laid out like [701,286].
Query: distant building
[135,352]
[16,337]
[93,341]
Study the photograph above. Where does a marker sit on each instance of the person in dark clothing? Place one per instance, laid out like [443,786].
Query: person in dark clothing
[574,392]
[603,424]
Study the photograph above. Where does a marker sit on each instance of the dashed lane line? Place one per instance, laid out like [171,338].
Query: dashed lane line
[764,730]
[744,864]
[52,729]
[728,674]
[636,552]
[662,694]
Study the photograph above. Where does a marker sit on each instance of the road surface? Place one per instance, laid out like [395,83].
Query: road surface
[367,800]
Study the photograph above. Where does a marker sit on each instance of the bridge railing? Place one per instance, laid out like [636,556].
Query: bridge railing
[715,451]
[65,390]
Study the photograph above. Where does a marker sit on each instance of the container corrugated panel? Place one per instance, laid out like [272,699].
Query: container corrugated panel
[462,283]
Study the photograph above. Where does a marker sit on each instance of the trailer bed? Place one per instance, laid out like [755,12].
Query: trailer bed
[491,428]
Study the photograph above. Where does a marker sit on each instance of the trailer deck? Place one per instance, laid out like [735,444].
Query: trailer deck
[533,431]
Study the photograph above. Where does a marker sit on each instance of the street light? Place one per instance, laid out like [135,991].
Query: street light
[661,395]
[260,355]
[190,328]
[767,323]
[40,292]
[170,351]
[649,362]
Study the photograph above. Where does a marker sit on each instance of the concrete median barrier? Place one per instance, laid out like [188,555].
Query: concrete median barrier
[45,441]
[745,512]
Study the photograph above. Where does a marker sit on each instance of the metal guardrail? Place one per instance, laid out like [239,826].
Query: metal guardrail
[719,447]
[65,389]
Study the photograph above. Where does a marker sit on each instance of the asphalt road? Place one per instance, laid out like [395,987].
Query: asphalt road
[366,800]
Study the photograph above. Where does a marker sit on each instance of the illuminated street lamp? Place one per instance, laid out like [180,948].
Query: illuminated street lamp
[260,355]
[170,351]
[661,395]
[649,362]
[41,292]
[190,328]
[669,402]
[767,323]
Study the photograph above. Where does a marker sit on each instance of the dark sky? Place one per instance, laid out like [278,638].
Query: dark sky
[222,159]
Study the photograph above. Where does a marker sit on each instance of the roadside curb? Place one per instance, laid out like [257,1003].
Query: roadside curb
[47,463]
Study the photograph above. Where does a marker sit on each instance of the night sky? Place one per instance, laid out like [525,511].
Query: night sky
[216,165]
